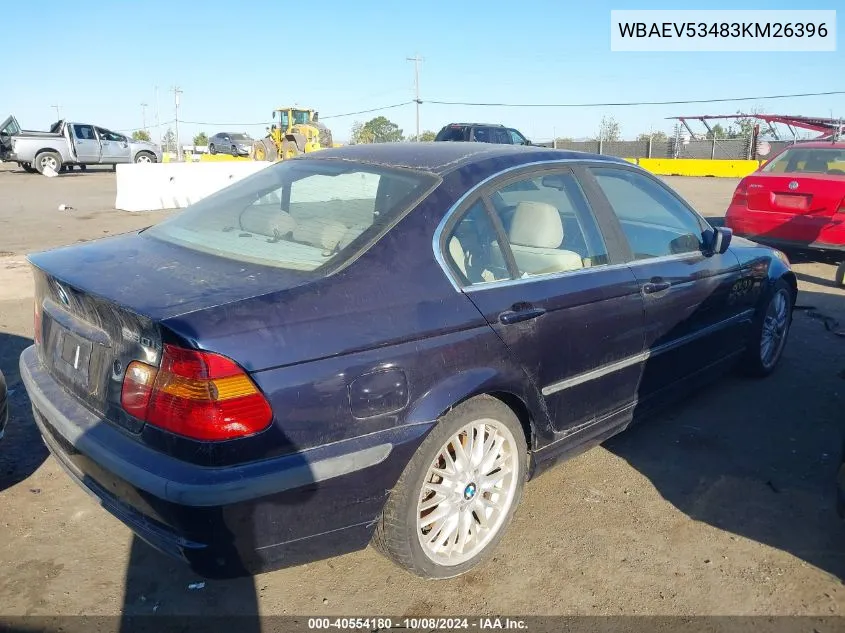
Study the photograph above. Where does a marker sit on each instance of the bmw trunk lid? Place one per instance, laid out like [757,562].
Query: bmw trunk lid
[99,306]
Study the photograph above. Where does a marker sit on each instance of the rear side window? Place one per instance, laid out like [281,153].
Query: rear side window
[84,132]
[300,215]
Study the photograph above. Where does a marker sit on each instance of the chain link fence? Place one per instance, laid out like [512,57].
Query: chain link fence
[725,149]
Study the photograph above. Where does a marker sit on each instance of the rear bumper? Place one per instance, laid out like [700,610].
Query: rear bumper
[787,230]
[228,521]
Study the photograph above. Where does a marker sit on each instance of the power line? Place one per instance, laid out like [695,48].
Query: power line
[634,103]
[390,107]
[517,105]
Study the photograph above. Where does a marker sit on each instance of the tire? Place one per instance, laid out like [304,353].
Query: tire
[28,168]
[234,150]
[48,159]
[840,274]
[212,149]
[145,157]
[776,312]
[397,534]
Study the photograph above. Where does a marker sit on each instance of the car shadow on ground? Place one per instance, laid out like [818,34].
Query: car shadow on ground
[21,450]
[758,457]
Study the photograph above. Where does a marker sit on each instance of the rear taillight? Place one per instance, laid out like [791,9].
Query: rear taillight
[195,394]
[36,313]
[741,195]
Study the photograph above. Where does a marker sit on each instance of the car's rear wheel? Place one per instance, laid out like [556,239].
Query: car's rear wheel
[212,149]
[457,496]
[769,331]
[840,274]
[49,162]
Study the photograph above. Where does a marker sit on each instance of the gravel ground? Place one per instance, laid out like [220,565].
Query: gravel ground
[723,506]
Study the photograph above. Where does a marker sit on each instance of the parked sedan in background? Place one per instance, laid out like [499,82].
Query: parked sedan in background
[385,341]
[795,200]
[229,143]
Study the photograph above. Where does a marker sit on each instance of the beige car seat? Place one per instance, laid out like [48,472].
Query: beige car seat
[536,234]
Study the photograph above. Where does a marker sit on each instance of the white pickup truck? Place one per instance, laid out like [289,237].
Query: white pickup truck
[68,143]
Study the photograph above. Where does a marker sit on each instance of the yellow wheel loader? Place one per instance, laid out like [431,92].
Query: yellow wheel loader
[294,131]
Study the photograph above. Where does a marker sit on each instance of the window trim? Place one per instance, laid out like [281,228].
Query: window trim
[519,172]
[602,200]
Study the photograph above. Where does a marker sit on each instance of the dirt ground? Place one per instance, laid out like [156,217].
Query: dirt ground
[722,506]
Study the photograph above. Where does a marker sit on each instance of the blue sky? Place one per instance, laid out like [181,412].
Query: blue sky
[340,57]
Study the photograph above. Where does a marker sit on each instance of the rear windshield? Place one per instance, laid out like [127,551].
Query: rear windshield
[452,133]
[299,214]
[809,160]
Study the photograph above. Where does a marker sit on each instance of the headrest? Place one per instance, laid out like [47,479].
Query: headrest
[536,224]
[325,234]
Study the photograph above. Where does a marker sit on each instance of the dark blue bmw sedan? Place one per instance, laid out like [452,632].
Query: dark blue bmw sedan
[382,344]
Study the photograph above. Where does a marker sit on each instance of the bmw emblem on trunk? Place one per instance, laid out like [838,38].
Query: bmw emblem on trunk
[62,295]
[793,185]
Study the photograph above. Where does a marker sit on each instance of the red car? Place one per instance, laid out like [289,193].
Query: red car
[795,200]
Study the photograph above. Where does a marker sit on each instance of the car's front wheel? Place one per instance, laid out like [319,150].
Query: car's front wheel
[457,495]
[769,331]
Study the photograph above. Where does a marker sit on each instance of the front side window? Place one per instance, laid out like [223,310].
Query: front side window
[107,135]
[655,222]
[517,138]
[549,224]
[299,215]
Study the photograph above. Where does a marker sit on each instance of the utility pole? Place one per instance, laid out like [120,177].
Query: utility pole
[417,59]
[144,117]
[176,92]
[158,123]
[58,112]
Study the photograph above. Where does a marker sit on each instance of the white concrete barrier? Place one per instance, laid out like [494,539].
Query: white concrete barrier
[156,186]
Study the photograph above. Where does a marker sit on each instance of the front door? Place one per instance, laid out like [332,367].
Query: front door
[529,253]
[85,143]
[115,147]
[692,318]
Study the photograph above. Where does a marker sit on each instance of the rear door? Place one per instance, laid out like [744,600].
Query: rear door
[529,253]
[86,144]
[692,319]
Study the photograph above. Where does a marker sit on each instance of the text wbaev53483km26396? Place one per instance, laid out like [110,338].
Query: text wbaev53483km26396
[723,31]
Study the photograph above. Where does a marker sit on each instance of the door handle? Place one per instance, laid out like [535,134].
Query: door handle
[653,287]
[516,316]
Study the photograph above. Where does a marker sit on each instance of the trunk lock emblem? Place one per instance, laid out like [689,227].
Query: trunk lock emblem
[793,185]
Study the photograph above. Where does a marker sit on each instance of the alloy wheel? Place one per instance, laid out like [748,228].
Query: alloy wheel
[467,492]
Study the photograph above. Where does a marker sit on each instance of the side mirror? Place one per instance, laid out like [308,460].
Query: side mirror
[527,142]
[274,115]
[720,240]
